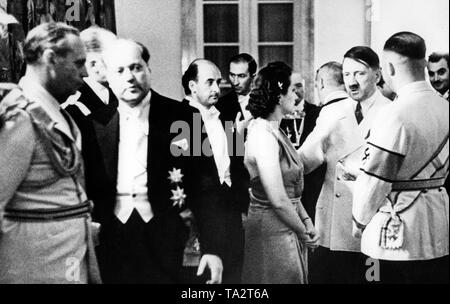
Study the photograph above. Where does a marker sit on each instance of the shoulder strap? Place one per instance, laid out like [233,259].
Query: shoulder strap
[435,154]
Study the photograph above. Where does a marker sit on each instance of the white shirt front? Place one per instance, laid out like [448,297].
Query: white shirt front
[217,139]
[368,103]
[132,164]
[101,91]
[243,102]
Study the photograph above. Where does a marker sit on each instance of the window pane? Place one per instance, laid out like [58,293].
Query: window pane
[275,22]
[221,22]
[275,53]
[220,56]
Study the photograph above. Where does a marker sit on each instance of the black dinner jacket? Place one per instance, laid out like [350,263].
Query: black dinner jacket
[100,152]
[217,208]
[228,106]
[101,115]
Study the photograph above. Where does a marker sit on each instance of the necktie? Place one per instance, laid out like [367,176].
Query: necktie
[358,113]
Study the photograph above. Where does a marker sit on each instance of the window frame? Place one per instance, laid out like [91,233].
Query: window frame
[303,34]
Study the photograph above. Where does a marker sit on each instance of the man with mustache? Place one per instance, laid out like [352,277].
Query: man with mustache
[142,237]
[439,72]
[216,180]
[338,140]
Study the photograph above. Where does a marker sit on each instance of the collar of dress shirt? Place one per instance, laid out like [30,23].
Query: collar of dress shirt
[368,103]
[207,114]
[414,87]
[140,112]
[243,98]
[37,93]
[335,95]
[100,90]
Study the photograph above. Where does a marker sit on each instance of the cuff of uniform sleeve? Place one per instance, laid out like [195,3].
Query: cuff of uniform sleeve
[358,224]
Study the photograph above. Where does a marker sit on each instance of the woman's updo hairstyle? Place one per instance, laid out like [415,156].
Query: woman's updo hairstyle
[271,82]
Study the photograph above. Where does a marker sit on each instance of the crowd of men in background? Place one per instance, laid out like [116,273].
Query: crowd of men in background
[128,179]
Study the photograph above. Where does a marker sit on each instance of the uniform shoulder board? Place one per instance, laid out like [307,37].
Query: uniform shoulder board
[10,105]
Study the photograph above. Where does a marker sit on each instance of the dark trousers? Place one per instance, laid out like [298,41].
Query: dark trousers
[433,271]
[134,253]
[336,267]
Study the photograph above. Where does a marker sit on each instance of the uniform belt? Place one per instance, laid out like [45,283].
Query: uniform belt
[48,215]
[418,184]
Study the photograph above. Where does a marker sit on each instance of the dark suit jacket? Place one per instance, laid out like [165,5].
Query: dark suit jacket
[101,158]
[217,208]
[228,106]
[97,187]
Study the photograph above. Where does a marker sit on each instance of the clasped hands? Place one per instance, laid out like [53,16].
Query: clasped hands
[310,237]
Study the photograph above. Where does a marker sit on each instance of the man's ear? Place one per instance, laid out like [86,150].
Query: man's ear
[391,69]
[192,86]
[321,84]
[48,57]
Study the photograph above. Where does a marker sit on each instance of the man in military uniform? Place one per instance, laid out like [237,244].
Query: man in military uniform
[45,234]
[400,204]
[338,141]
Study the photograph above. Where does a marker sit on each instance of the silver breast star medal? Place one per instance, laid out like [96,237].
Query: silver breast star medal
[178,197]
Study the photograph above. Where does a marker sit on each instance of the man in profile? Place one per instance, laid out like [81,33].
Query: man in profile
[399,203]
[45,223]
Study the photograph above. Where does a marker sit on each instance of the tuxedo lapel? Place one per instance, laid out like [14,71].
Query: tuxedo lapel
[153,138]
[90,99]
[108,142]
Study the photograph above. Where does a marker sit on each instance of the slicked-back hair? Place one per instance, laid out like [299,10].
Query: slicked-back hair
[246,58]
[407,44]
[190,74]
[436,56]
[47,36]
[334,72]
[364,55]
[145,53]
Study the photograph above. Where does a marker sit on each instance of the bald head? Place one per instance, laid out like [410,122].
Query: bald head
[127,72]
[201,81]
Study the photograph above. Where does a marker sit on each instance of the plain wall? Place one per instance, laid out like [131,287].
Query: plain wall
[429,19]
[339,25]
[156,24]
